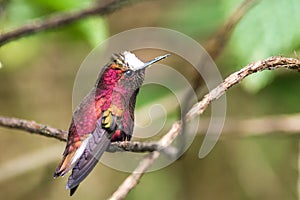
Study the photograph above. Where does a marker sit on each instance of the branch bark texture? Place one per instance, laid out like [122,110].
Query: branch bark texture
[62,19]
[33,127]
[131,181]
[267,64]
[275,62]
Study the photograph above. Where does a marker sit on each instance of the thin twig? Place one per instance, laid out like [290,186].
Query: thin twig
[216,44]
[133,146]
[214,47]
[132,180]
[271,63]
[33,127]
[243,127]
[62,19]
[45,130]
[261,126]
[268,64]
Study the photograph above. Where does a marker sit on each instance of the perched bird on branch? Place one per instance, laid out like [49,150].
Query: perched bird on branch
[105,115]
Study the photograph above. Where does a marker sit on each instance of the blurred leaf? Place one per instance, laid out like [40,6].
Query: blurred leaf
[257,81]
[94,30]
[18,12]
[229,6]
[195,17]
[18,54]
[272,27]
[267,30]
[58,5]
[22,10]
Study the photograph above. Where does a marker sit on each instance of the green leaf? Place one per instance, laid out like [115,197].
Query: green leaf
[94,30]
[59,5]
[257,81]
[17,54]
[195,18]
[17,13]
[272,27]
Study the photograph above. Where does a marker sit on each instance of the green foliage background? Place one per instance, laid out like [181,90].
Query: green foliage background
[38,72]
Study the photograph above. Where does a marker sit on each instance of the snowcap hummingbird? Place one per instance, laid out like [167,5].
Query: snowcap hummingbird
[105,115]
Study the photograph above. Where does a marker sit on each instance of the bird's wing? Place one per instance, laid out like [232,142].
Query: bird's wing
[82,126]
[96,144]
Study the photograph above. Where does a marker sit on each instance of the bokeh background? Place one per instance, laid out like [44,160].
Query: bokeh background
[36,81]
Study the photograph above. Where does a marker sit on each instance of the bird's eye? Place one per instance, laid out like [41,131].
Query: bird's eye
[129,73]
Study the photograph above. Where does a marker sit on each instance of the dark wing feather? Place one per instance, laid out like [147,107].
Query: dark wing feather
[97,144]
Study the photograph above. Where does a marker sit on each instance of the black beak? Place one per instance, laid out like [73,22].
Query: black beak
[147,64]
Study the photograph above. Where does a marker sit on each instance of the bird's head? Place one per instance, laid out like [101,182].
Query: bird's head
[126,70]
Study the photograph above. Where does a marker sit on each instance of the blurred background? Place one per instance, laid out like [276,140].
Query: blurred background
[251,161]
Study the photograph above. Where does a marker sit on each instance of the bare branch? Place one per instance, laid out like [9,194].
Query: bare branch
[133,146]
[216,43]
[275,62]
[214,47]
[267,64]
[62,19]
[282,124]
[132,180]
[33,127]
[45,130]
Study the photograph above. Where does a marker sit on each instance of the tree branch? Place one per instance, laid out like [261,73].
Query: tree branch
[131,181]
[267,64]
[62,19]
[45,130]
[215,44]
[154,147]
[275,62]
[33,127]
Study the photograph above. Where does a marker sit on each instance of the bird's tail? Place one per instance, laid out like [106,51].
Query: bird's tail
[98,142]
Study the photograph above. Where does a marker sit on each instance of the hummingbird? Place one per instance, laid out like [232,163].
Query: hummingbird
[105,115]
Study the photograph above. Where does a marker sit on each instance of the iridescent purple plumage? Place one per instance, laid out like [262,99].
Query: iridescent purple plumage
[106,114]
